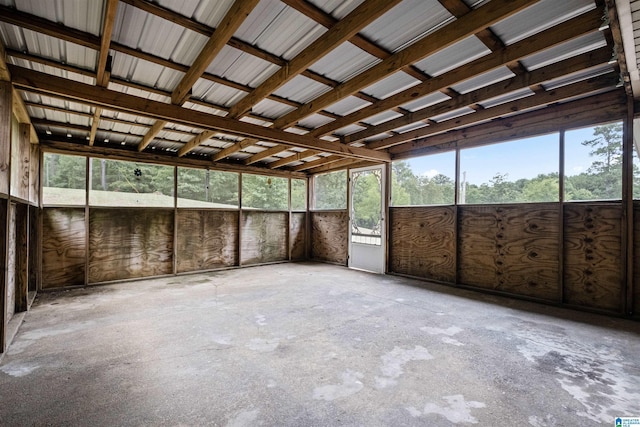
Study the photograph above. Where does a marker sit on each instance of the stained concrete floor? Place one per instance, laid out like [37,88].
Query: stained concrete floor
[313,345]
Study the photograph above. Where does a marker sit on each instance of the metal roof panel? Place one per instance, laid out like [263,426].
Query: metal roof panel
[407,22]
[539,17]
[344,62]
[563,51]
[347,105]
[301,89]
[483,80]
[454,56]
[396,82]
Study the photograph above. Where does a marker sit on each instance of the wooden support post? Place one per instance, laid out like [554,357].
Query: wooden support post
[22,258]
[561,172]
[6,92]
[627,206]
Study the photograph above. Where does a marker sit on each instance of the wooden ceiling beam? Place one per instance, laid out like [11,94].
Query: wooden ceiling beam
[601,108]
[65,147]
[226,152]
[340,164]
[326,20]
[234,17]
[467,25]
[524,80]
[264,154]
[37,82]
[421,136]
[153,131]
[314,163]
[103,67]
[569,30]
[296,157]
[360,17]
[17,103]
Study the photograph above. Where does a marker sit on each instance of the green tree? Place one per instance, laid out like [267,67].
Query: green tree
[330,190]
[606,170]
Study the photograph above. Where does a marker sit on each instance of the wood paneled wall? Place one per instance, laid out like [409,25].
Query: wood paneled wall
[526,250]
[126,243]
[263,237]
[298,236]
[330,236]
[206,239]
[20,160]
[63,247]
[593,255]
[129,243]
[510,248]
[422,242]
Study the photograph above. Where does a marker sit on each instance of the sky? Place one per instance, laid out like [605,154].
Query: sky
[523,158]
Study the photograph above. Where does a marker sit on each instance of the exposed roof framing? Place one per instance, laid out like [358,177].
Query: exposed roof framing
[308,86]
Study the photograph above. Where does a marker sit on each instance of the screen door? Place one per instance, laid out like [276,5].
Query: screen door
[366,237]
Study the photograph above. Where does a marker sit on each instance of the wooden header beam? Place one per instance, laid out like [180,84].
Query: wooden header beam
[35,81]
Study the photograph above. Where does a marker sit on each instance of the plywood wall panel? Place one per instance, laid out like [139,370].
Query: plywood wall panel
[510,248]
[22,257]
[63,247]
[330,236]
[11,262]
[34,248]
[206,239]
[264,237]
[297,236]
[129,243]
[422,242]
[593,255]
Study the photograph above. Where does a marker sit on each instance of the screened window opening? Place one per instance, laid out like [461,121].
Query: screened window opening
[330,190]
[203,188]
[64,180]
[426,180]
[265,192]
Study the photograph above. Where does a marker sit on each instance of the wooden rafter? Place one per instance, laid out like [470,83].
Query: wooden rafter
[469,24]
[600,108]
[338,33]
[234,17]
[542,99]
[37,82]
[521,81]
[103,70]
[574,28]
[18,106]
[360,17]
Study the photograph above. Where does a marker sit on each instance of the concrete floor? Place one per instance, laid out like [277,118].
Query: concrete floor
[313,345]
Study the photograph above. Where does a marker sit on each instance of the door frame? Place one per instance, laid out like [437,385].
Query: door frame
[381,263]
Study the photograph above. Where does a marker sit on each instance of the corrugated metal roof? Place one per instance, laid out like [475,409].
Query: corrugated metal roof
[426,101]
[54,71]
[540,16]
[344,62]
[566,50]
[241,67]
[279,29]
[406,23]
[452,114]
[337,8]
[347,105]
[301,89]
[271,109]
[382,117]
[314,121]
[482,80]
[576,77]
[216,93]
[348,129]
[454,56]
[205,11]
[28,41]
[391,85]
[84,15]
[511,96]
[137,70]
[410,127]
